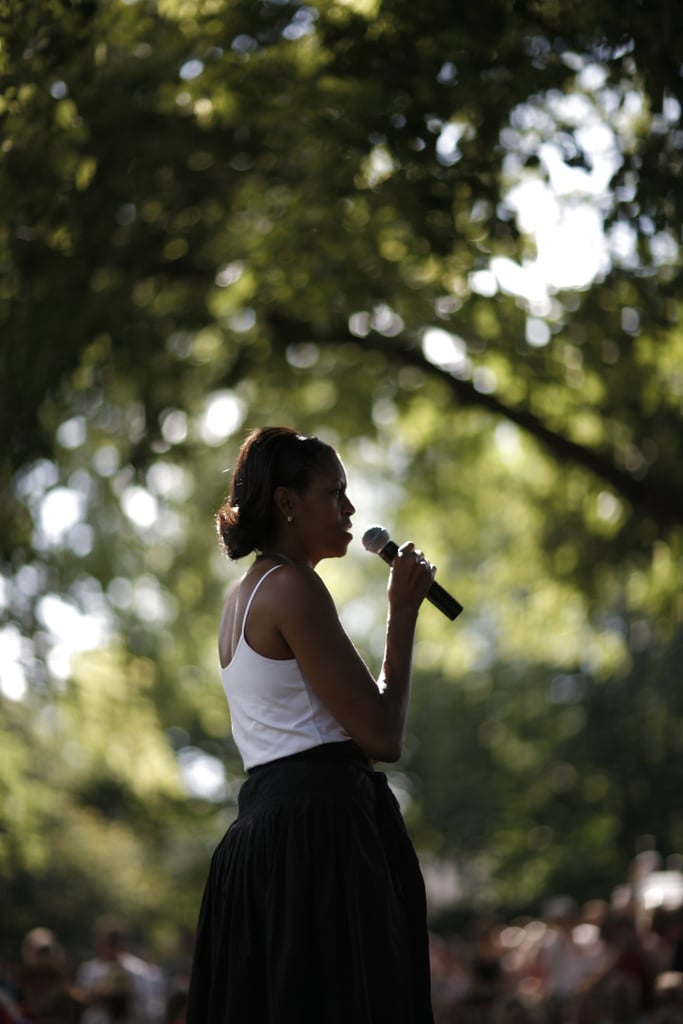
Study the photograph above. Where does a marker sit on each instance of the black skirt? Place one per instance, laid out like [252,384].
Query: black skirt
[314,909]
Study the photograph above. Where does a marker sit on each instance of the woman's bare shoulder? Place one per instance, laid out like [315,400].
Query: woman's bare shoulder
[284,589]
[230,620]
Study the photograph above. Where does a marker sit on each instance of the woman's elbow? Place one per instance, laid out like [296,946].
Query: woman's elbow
[386,749]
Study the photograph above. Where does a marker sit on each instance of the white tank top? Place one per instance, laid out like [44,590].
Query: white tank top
[273,710]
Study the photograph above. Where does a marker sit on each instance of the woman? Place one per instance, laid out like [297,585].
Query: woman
[314,909]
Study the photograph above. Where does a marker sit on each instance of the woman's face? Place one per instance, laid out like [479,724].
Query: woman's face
[322,514]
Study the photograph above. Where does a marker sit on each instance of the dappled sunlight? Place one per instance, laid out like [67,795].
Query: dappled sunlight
[71,629]
[563,211]
[459,263]
[202,776]
[61,509]
[448,143]
[152,602]
[447,351]
[174,425]
[13,682]
[571,247]
[140,507]
[170,481]
[224,414]
[377,167]
[110,695]
[382,319]
[302,356]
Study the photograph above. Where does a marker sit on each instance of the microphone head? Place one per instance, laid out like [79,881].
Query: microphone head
[375,539]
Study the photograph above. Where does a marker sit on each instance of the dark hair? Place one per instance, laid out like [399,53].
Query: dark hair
[269,458]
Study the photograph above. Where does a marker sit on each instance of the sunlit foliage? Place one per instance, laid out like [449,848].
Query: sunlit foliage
[448,240]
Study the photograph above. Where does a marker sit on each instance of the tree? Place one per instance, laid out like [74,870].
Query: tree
[215,213]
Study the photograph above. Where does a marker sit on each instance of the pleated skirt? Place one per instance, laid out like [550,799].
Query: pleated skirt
[314,910]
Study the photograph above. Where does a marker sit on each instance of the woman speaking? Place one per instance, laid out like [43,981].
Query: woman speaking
[314,909]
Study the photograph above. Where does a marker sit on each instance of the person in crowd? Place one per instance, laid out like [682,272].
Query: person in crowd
[632,971]
[112,998]
[663,937]
[450,979]
[561,960]
[668,998]
[43,993]
[176,1007]
[118,975]
[178,967]
[314,910]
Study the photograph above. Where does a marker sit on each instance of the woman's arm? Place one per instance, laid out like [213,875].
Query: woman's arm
[373,712]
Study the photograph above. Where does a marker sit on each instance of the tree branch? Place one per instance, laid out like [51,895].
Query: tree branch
[663,501]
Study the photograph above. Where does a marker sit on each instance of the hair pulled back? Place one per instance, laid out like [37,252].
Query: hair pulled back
[270,457]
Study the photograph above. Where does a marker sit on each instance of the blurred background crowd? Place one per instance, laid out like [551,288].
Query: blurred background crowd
[595,964]
[611,961]
[117,983]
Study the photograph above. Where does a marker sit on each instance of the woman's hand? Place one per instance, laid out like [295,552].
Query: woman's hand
[410,578]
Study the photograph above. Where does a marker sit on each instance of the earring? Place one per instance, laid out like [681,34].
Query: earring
[290,519]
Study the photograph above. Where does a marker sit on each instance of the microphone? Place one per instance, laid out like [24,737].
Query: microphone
[377,540]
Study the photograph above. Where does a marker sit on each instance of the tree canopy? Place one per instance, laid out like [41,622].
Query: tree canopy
[357,217]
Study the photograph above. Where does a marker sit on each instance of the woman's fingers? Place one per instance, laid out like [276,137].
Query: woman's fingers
[408,549]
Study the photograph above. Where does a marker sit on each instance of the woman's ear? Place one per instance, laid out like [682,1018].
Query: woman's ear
[283,503]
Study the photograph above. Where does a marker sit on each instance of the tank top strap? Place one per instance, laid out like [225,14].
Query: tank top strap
[253,595]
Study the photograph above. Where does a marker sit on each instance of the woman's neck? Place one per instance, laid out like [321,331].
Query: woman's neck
[277,554]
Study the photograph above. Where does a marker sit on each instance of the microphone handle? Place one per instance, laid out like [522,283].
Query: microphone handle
[444,601]
[439,597]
